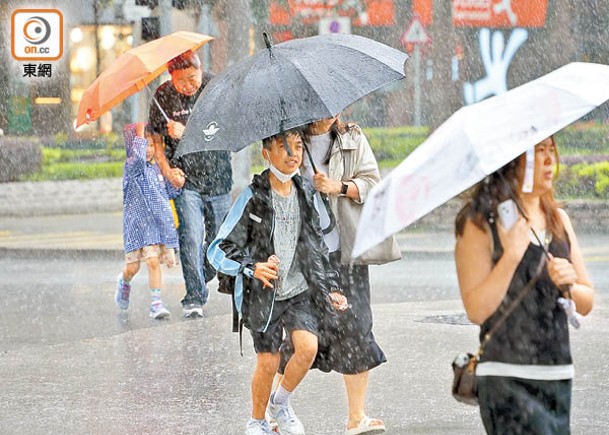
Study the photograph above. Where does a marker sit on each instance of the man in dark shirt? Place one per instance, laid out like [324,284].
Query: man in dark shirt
[205,177]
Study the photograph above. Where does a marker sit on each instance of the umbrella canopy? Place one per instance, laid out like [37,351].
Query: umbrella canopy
[132,71]
[476,141]
[285,86]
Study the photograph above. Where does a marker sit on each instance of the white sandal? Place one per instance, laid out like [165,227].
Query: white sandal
[366,427]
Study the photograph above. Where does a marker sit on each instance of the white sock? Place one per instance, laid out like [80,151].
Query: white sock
[252,420]
[281,396]
[155,294]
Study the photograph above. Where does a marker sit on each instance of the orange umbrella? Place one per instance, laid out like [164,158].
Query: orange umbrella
[132,71]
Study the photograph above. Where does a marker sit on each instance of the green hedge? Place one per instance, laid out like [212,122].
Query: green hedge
[51,156]
[78,171]
[395,144]
[583,138]
[584,181]
[390,145]
[62,140]
[73,164]
[19,157]
[65,160]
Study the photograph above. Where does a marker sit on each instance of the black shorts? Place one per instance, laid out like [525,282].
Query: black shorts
[293,314]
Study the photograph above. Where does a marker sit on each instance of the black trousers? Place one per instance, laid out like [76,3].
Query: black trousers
[523,406]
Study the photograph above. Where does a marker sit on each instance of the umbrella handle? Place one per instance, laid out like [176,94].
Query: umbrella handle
[310,158]
[161,109]
[326,200]
[324,197]
[267,40]
[157,104]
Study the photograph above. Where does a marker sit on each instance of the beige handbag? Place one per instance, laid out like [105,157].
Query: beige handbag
[349,215]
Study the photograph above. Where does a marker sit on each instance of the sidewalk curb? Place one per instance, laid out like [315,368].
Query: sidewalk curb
[104,195]
[117,254]
[61,254]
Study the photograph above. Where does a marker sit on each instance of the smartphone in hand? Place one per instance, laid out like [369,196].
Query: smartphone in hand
[508,213]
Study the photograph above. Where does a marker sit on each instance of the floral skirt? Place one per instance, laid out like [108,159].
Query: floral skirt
[167,256]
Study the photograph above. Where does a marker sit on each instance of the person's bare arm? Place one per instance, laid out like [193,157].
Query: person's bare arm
[483,286]
[174,175]
[175,129]
[573,273]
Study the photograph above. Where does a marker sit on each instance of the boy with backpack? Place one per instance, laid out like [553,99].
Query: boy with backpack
[271,241]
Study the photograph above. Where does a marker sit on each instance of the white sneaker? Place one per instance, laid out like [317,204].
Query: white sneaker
[272,422]
[192,310]
[258,427]
[286,419]
[158,310]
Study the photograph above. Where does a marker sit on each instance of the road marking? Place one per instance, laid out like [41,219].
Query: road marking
[80,240]
[596,259]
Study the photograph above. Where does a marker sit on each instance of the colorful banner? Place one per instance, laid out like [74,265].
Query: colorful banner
[499,13]
[423,9]
[361,12]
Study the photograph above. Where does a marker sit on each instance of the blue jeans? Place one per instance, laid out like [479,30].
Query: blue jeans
[200,218]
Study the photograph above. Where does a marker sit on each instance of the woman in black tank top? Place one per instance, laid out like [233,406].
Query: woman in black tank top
[524,375]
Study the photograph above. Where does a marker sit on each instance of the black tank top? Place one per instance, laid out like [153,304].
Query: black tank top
[537,332]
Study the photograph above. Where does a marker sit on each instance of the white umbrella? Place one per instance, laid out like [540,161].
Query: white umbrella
[476,141]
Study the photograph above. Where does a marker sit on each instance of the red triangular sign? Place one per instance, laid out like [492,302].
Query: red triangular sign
[415,34]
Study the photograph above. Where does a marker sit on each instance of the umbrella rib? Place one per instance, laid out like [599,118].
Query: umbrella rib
[303,76]
[274,63]
[360,94]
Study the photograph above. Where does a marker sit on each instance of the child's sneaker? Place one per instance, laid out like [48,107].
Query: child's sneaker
[121,297]
[258,427]
[158,310]
[286,419]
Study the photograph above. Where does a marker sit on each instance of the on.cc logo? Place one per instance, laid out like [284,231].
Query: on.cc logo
[36,30]
[36,34]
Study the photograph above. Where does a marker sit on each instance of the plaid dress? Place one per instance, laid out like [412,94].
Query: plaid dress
[147,216]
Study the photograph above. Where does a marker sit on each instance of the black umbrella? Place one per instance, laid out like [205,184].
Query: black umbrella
[285,86]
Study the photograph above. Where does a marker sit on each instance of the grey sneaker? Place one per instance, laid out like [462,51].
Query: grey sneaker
[158,310]
[121,297]
[258,427]
[286,419]
[192,310]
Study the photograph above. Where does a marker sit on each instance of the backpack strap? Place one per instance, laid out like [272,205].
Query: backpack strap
[241,336]
[235,316]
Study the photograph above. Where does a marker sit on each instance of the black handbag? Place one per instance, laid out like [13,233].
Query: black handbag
[464,388]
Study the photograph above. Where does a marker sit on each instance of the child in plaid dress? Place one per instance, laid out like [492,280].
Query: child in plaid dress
[149,232]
